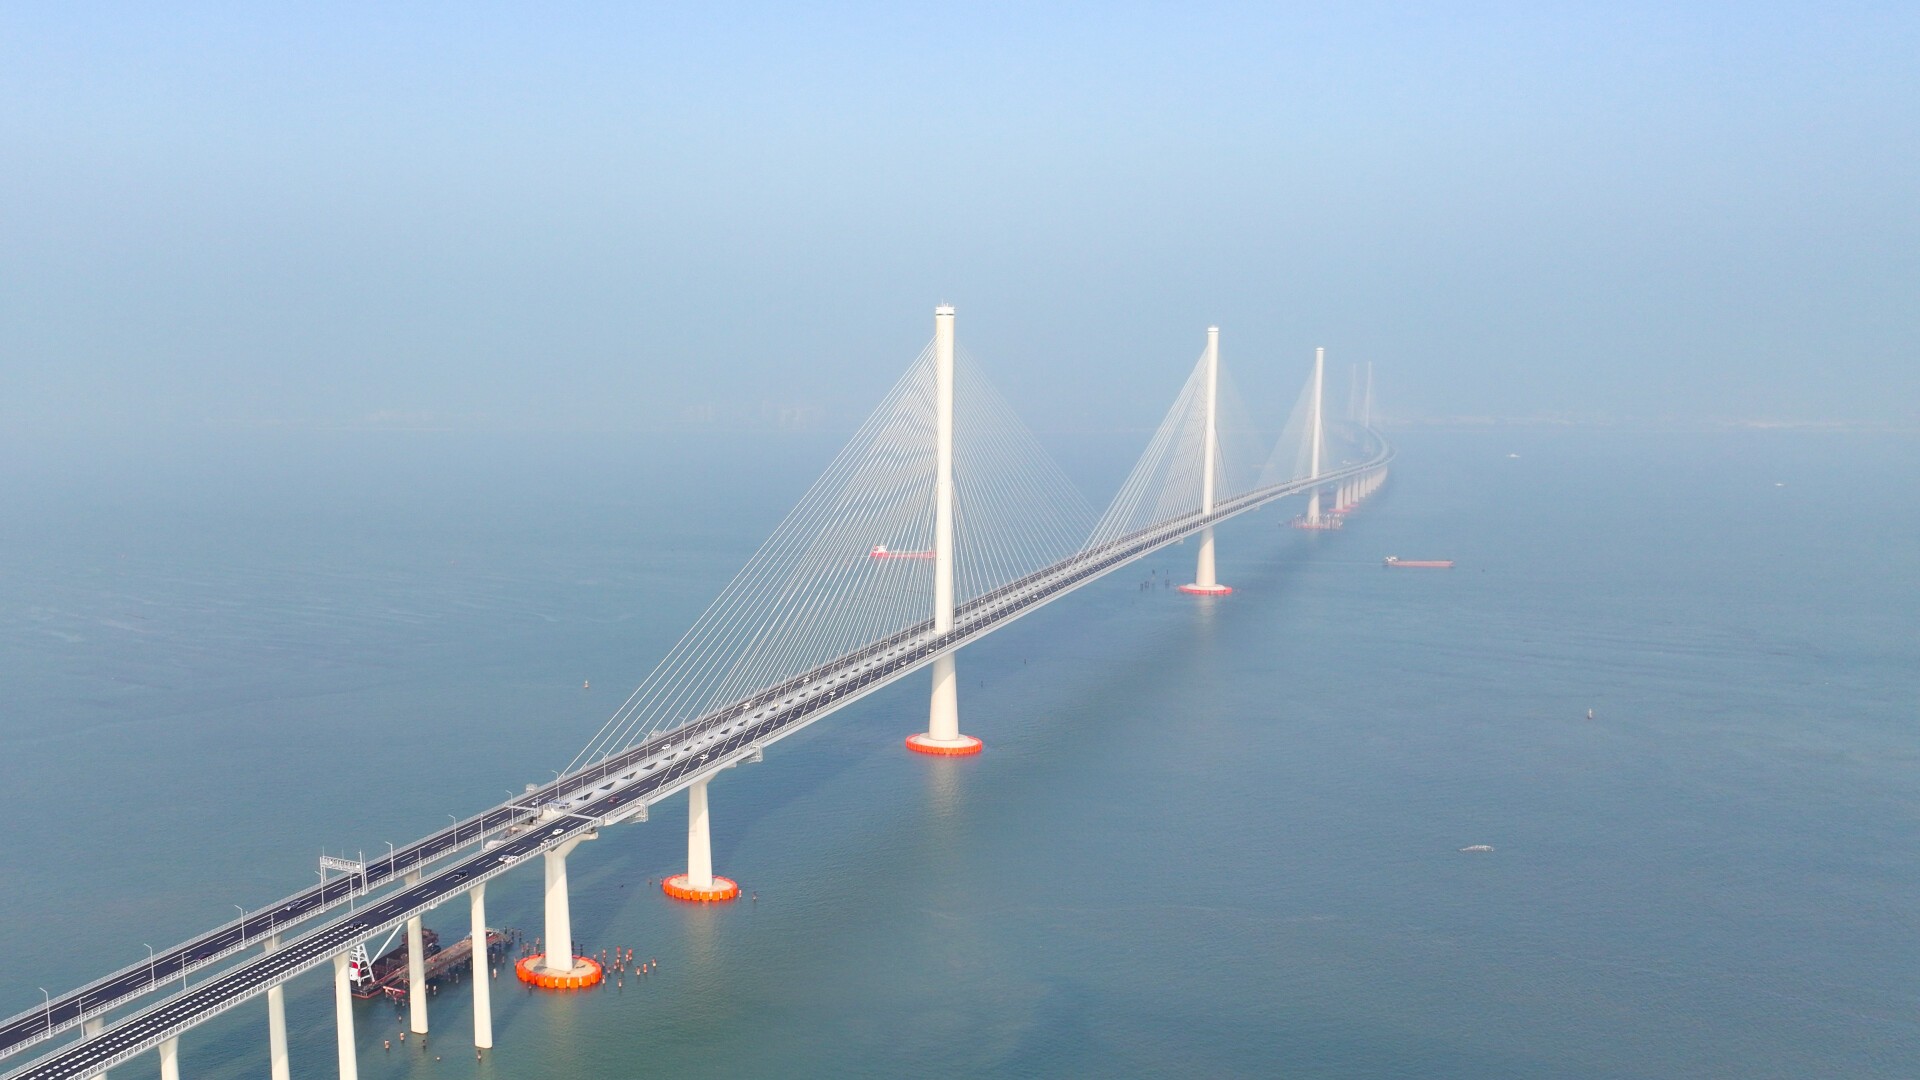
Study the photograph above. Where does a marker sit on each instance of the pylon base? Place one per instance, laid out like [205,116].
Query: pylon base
[721,889]
[960,747]
[583,974]
[1206,590]
[1327,524]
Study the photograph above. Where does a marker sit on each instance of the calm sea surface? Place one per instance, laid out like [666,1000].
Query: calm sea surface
[1207,838]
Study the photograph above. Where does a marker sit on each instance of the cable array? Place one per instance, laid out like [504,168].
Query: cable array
[1242,445]
[1292,457]
[819,587]
[1166,481]
[1015,511]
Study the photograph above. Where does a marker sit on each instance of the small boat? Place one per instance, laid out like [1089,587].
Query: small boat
[1477,849]
[880,552]
[1589,714]
[1419,564]
[585,685]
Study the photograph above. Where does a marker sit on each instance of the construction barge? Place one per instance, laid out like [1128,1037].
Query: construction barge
[387,976]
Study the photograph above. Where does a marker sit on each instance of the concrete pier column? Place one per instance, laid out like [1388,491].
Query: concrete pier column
[277,1024]
[1204,582]
[557,968]
[343,1018]
[943,711]
[91,1029]
[417,976]
[699,882]
[277,1034]
[559,929]
[170,1059]
[482,971]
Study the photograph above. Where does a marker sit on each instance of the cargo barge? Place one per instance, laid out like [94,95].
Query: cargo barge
[1418,564]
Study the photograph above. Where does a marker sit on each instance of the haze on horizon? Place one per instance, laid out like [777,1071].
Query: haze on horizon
[603,219]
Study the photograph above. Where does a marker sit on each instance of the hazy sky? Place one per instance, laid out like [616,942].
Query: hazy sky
[570,216]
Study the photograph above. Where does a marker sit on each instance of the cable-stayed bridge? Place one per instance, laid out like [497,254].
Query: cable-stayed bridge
[941,521]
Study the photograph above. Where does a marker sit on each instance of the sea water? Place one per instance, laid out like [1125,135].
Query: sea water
[1208,837]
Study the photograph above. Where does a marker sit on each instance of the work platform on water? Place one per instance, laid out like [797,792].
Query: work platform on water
[387,975]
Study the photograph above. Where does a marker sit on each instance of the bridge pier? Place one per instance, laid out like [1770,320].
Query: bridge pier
[277,1024]
[1204,583]
[568,972]
[943,736]
[699,883]
[416,969]
[91,1029]
[343,1018]
[170,1059]
[482,971]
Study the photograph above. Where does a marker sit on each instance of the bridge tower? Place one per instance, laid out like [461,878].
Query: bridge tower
[1319,376]
[943,715]
[1204,583]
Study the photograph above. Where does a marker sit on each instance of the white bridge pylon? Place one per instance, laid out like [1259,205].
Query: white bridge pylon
[942,736]
[1204,583]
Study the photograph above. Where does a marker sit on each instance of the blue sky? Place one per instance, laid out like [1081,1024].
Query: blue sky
[572,217]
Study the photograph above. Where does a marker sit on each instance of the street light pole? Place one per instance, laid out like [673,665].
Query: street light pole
[49,997]
[150,980]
